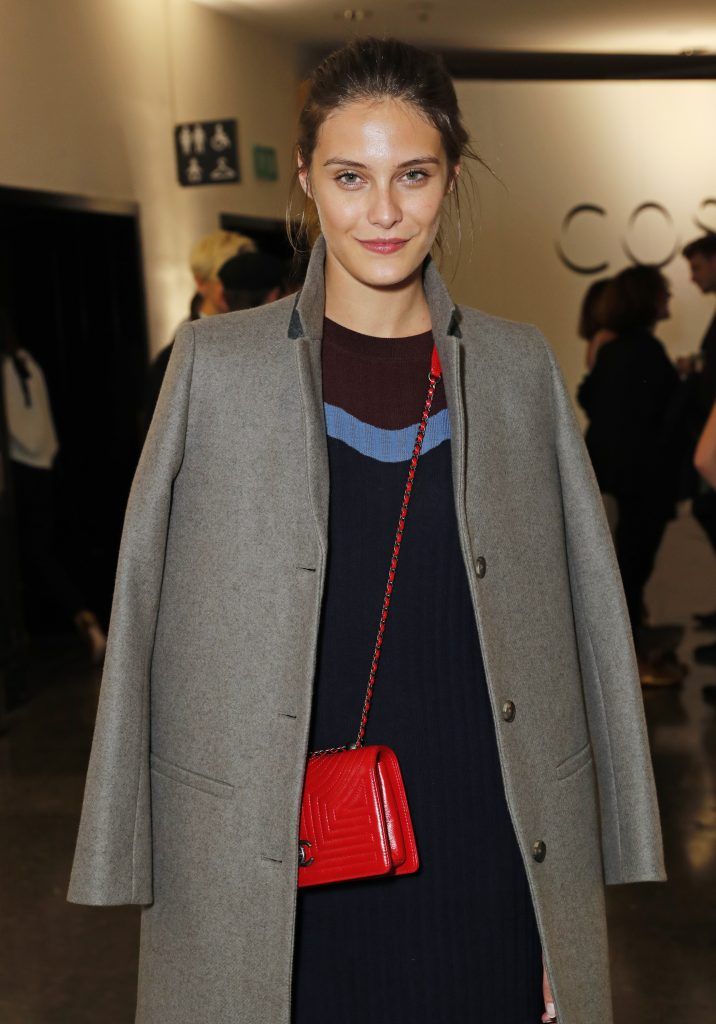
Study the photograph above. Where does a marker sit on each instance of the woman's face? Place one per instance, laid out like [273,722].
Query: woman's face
[379,174]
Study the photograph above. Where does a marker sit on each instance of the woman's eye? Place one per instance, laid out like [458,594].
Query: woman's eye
[419,175]
[347,178]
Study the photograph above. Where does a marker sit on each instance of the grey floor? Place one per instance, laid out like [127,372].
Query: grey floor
[63,964]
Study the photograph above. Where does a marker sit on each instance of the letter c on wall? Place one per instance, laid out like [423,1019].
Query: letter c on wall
[577,211]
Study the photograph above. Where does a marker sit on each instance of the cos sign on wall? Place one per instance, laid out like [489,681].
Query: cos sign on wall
[579,232]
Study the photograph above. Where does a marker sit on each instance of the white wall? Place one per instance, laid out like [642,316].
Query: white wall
[557,144]
[90,91]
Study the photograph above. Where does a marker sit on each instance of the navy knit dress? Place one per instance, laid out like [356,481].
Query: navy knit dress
[457,942]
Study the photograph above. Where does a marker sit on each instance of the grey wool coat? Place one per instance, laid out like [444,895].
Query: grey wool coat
[195,778]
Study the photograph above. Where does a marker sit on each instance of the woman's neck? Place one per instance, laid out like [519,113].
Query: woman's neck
[389,312]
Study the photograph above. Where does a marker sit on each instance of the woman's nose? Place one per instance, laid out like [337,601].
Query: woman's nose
[384,210]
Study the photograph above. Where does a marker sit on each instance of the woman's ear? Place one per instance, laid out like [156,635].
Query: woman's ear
[303,176]
[453,177]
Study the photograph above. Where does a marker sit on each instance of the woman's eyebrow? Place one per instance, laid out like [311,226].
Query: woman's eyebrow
[344,162]
[430,159]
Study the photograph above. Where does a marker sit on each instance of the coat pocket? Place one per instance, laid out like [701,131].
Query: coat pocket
[189,778]
[575,762]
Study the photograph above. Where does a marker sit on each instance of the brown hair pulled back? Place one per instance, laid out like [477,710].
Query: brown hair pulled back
[703,246]
[375,69]
[632,299]
[591,314]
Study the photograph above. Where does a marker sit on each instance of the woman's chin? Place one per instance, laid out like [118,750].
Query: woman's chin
[387,274]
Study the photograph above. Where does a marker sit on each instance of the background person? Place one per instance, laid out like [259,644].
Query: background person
[700,372]
[701,256]
[207,258]
[592,327]
[33,447]
[252,279]
[705,464]
[629,397]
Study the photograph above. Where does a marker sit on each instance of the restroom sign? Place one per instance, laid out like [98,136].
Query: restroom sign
[207,152]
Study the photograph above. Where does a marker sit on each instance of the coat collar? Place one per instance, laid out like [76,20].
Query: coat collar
[305,330]
[307,316]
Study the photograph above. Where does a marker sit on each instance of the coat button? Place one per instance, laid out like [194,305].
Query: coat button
[480,566]
[508,711]
[539,851]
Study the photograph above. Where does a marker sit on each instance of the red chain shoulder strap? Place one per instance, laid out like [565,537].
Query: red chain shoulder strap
[433,378]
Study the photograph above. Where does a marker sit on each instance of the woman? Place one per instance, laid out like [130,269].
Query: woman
[592,327]
[633,439]
[264,506]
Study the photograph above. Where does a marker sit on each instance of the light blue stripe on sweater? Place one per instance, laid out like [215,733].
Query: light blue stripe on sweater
[384,445]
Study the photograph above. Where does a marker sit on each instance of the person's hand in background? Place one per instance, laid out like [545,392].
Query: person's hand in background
[686,365]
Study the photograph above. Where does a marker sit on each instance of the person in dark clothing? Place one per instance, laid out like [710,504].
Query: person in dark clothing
[157,369]
[629,397]
[701,254]
[252,279]
[206,259]
[195,306]
[32,448]
[701,371]
[246,280]
[592,327]
[705,464]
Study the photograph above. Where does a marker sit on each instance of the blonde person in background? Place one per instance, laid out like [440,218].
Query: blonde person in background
[206,259]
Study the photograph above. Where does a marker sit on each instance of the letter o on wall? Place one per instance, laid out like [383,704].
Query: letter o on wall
[626,245]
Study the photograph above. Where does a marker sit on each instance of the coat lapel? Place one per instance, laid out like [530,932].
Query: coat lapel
[445,317]
[305,330]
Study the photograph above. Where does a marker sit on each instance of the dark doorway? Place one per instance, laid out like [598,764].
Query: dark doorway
[71,281]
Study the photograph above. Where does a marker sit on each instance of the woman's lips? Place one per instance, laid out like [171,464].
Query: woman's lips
[384,246]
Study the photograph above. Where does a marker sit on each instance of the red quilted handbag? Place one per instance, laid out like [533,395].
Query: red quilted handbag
[355,821]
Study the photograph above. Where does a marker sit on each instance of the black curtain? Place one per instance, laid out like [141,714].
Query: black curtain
[72,283]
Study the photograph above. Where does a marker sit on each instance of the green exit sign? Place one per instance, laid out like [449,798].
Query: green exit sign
[265,163]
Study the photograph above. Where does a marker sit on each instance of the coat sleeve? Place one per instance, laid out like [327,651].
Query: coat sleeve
[631,830]
[113,855]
